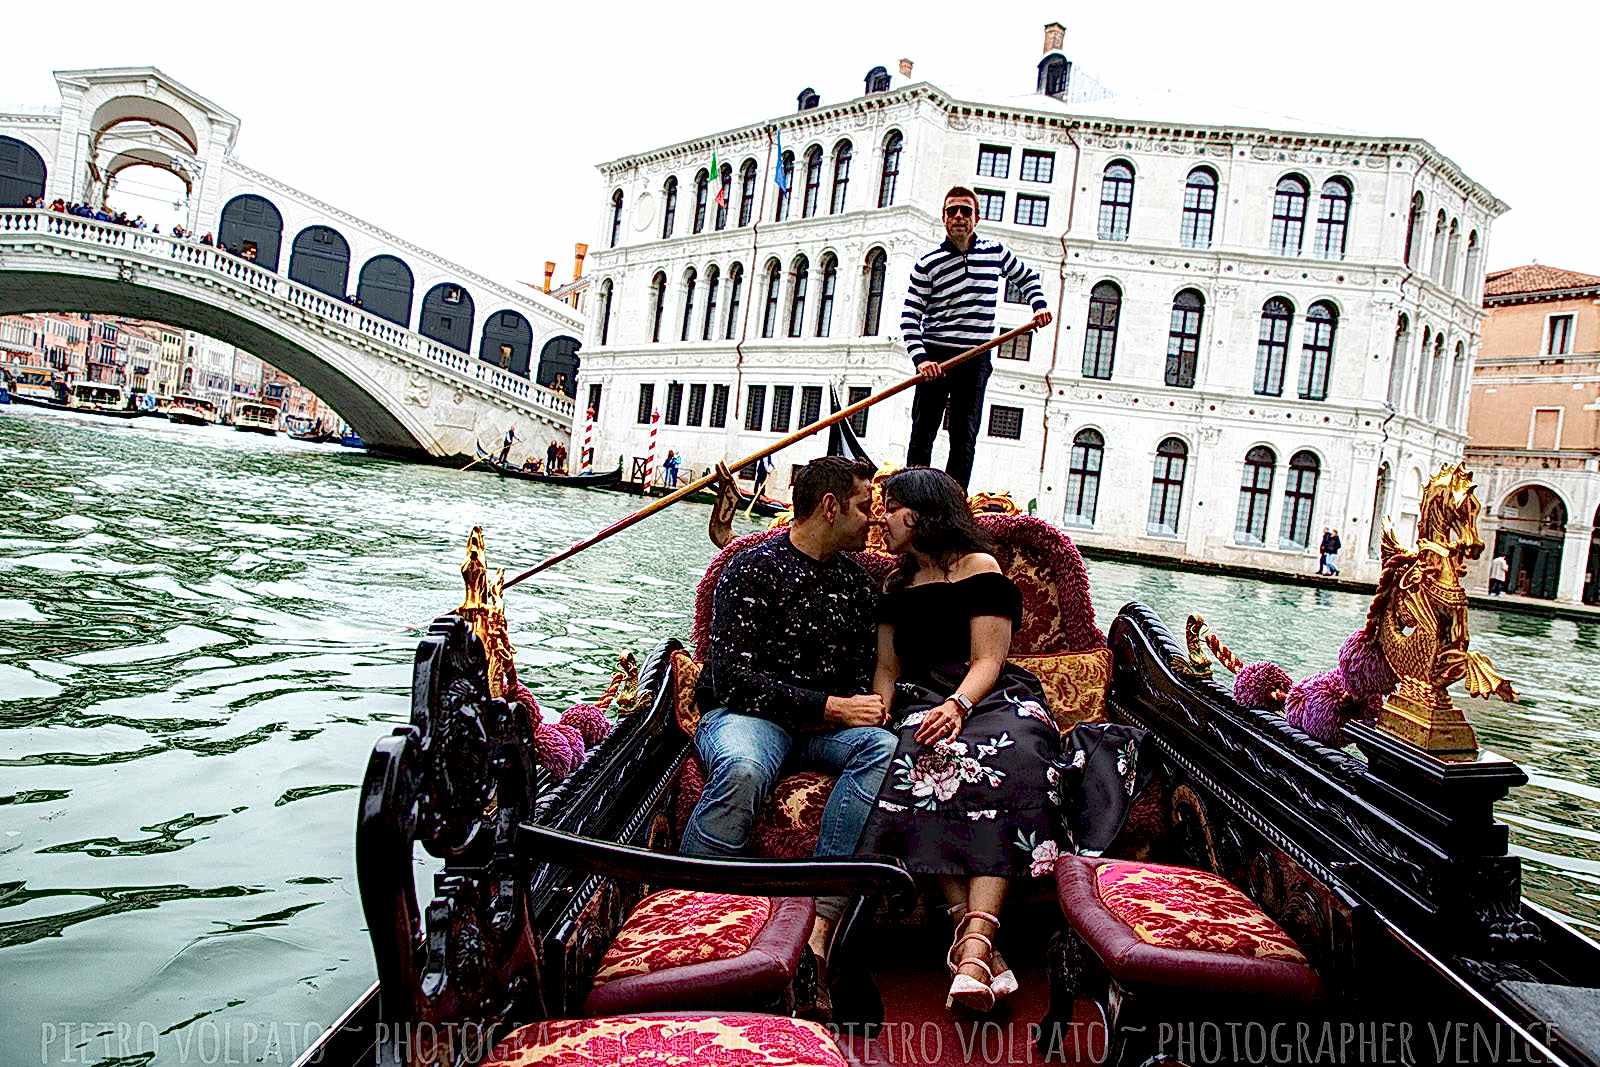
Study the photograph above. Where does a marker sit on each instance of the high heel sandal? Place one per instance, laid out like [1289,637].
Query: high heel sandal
[1005,983]
[966,990]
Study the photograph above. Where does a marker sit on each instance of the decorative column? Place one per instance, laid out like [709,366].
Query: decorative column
[1574,563]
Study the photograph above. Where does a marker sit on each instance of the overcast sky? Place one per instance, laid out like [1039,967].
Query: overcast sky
[473,128]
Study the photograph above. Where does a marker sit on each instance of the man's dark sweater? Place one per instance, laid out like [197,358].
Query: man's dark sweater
[787,632]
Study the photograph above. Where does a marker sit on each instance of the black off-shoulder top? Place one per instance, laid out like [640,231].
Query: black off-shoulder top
[932,621]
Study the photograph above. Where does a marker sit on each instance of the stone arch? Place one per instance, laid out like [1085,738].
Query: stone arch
[253,220]
[1531,528]
[321,259]
[447,316]
[123,109]
[385,287]
[507,341]
[1535,504]
[22,172]
[560,356]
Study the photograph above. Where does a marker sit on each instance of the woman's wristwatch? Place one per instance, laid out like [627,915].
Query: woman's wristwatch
[960,698]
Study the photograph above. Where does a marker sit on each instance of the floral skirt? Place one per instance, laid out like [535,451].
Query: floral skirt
[987,801]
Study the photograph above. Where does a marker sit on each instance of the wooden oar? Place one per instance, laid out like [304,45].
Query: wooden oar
[799,435]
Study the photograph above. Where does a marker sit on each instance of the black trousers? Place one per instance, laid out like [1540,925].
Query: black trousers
[961,391]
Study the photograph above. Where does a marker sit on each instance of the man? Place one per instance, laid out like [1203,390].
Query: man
[1334,545]
[1323,550]
[1497,575]
[949,309]
[505,448]
[788,677]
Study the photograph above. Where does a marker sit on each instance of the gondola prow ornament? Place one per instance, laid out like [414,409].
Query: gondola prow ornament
[1419,616]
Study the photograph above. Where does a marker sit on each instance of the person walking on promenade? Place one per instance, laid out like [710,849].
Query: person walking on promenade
[949,308]
[1329,550]
[1497,575]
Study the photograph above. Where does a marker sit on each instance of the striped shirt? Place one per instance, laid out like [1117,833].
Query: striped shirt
[952,296]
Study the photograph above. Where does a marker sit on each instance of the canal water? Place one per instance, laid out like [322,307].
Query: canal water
[202,632]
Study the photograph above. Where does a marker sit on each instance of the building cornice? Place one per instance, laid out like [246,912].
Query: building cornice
[1543,296]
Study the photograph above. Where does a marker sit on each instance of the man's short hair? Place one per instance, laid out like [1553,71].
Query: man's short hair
[830,474]
[960,192]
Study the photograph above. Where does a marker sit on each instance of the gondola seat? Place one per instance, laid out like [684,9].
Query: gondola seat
[682,950]
[683,1038]
[1180,930]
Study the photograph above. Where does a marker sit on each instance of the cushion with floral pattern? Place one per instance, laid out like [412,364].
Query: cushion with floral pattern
[1075,683]
[675,1039]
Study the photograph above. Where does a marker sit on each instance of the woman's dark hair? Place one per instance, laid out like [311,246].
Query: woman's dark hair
[945,529]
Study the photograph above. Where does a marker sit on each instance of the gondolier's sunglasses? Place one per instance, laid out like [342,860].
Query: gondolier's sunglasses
[955,211]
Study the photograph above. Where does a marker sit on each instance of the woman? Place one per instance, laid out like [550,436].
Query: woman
[971,796]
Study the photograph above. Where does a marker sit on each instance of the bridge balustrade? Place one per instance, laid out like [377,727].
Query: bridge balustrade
[245,273]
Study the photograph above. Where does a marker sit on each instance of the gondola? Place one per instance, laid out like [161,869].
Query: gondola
[1269,898]
[320,437]
[594,480]
[765,506]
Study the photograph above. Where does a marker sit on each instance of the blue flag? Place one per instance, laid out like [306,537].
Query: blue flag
[778,177]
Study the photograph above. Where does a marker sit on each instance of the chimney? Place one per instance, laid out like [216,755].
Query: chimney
[1055,37]
[549,272]
[579,250]
[905,68]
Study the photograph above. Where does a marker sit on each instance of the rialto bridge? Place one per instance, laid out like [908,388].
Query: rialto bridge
[434,359]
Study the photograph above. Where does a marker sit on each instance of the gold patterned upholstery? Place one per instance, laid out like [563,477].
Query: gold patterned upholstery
[1175,907]
[676,927]
[685,673]
[1076,684]
[669,1040]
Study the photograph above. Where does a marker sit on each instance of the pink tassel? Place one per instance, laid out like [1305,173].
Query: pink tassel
[1259,685]
[590,721]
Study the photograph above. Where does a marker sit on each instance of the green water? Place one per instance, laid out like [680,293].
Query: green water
[202,633]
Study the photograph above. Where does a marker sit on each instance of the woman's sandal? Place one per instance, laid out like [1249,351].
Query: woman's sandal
[1005,983]
[970,992]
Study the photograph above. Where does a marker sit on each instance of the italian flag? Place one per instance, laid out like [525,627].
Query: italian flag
[721,198]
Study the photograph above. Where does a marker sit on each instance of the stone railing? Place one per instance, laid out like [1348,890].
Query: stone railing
[243,273]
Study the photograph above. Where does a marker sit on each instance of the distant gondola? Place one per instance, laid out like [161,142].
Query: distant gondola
[320,437]
[597,480]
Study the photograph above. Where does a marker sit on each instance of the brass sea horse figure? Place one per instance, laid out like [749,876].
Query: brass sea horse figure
[1419,616]
[484,608]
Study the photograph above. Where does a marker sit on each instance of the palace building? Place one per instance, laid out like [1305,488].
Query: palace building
[1261,329]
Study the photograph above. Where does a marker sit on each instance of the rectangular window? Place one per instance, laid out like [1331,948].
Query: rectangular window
[810,405]
[991,205]
[994,161]
[647,400]
[697,404]
[1544,431]
[858,421]
[594,400]
[1032,210]
[1559,340]
[1038,166]
[782,403]
[755,407]
[1020,347]
[1005,422]
[719,405]
[452,294]
[674,403]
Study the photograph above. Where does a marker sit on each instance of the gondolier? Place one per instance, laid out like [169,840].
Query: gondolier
[950,307]
[505,448]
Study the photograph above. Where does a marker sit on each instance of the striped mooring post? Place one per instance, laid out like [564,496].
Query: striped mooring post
[588,442]
[648,479]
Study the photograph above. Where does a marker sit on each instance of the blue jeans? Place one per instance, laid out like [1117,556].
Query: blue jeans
[743,756]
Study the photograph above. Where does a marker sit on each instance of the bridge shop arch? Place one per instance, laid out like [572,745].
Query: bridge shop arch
[385,288]
[447,316]
[321,259]
[22,172]
[1533,522]
[252,221]
[560,356]
[507,342]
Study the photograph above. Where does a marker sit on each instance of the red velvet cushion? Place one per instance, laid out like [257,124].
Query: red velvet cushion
[678,1040]
[1176,926]
[680,949]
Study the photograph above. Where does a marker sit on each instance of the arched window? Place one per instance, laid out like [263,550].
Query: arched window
[1436,264]
[877,81]
[1452,253]
[713,281]
[1458,369]
[1055,73]
[246,220]
[1100,336]
[808,200]
[701,183]
[320,258]
[1255,496]
[1469,276]
[1272,346]
[1289,214]
[23,172]
[797,296]
[1397,361]
[1419,388]
[877,270]
[1183,338]
[769,313]
[1116,201]
[1199,208]
[1083,477]
[842,153]
[747,192]
[1414,231]
[658,303]
[507,340]
[1299,500]
[688,303]
[787,166]
[830,282]
[735,298]
[891,168]
[1436,378]
[724,194]
[446,315]
[605,310]
[616,217]
[1380,506]
[669,206]
[1333,218]
[1166,487]
[1316,357]
[384,287]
